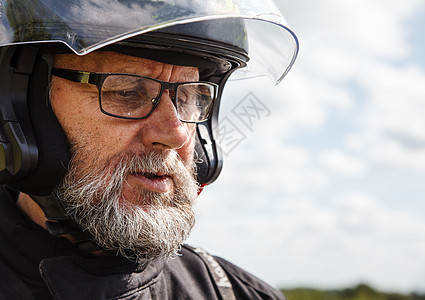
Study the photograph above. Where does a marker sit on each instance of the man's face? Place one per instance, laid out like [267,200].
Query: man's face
[130,182]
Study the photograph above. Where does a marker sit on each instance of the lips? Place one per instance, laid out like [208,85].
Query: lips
[159,183]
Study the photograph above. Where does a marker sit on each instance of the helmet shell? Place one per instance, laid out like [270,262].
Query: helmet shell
[87,25]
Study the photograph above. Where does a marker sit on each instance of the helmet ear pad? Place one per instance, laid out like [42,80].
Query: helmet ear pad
[51,141]
[209,155]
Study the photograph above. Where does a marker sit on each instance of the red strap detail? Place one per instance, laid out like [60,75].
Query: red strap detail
[201,188]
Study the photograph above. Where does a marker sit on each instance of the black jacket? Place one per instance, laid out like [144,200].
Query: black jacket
[36,265]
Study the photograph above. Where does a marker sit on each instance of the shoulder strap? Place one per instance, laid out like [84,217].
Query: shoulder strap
[219,275]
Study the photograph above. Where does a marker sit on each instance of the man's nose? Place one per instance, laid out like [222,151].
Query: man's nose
[163,128]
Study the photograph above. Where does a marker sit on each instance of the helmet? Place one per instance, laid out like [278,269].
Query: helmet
[223,38]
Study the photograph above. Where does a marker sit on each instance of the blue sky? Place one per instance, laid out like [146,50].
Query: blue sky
[328,190]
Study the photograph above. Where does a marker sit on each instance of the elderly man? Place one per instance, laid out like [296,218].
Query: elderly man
[107,114]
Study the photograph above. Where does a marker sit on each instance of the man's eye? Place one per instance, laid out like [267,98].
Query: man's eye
[126,95]
[187,97]
[182,97]
[129,95]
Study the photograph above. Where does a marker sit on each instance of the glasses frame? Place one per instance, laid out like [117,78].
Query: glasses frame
[98,79]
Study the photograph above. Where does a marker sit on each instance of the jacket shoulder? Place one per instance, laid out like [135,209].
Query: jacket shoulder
[11,285]
[244,284]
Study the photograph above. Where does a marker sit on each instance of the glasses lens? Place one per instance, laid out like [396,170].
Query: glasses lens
[129,96]
[195,101]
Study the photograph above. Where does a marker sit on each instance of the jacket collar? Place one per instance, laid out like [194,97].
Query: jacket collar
[97,278]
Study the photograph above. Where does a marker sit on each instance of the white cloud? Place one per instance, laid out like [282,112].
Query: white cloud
[352,42]
[271,167]
[396,101]
[360,27]
[392,126]
[339,163]
[389,153]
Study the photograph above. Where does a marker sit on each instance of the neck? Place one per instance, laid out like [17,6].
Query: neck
[32,210]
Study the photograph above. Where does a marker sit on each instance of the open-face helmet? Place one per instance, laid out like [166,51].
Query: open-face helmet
[223,38]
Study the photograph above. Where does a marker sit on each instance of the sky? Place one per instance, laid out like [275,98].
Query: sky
[325,189]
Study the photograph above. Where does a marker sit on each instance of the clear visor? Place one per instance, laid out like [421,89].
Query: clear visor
[88,25]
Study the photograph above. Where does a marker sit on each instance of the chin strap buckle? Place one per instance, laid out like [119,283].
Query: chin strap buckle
[82,240]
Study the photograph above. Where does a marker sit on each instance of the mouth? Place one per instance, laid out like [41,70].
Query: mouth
[150,175]
[154,182]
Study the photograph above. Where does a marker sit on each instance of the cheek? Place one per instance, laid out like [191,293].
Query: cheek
[187,151]
[66,111]
[80,117]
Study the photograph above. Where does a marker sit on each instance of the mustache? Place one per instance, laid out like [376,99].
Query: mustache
[151,162]
[86,172]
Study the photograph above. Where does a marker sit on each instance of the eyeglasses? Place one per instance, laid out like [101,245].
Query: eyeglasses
[135,97]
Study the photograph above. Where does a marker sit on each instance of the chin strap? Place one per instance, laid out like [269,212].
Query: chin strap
[59,223]
[82,240]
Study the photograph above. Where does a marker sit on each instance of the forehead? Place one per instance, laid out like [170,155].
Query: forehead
[112,62]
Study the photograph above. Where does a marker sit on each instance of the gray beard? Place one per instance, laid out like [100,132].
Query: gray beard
[155,226]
